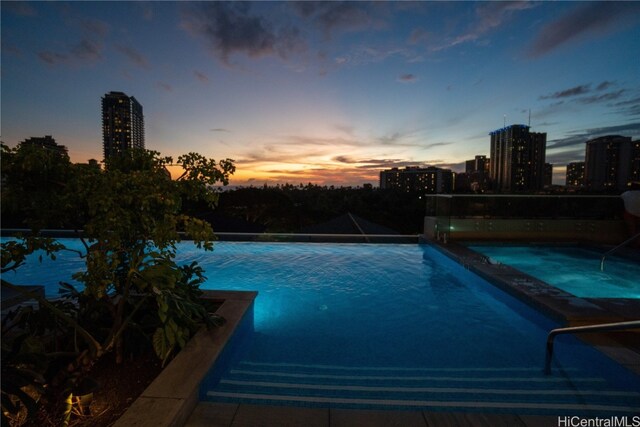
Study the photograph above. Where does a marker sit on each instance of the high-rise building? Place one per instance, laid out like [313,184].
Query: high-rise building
[548,174]
[122,124]
[612,162]
[47,142]
[390,178]
[575,174]
[517,159]
[477,164]
[476,175]
[429,180]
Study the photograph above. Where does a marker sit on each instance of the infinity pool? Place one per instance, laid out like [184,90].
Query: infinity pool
[388,326]
[396,326]
[573,269]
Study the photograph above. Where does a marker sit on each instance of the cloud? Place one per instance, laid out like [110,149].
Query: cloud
[399,139]
[322,175]
[351,160]
[602,98]
[563,157]
[348,129]
[134,56]
[229,28]
[580,137]
[219,130]
[279,153]
[585,89]
[85,52]
[585,20]
[633,110]
[605,85]
[493,14]
[407,78]
[21,8]
[164,86]
[94,27]
[90,47]
[146,9]
[630,107]
[489,16]
[437,144]
[367,163]
[568,141]
[363,55]
[90,28]
[53,58]
[201,76]
[574,91]
[340,16]
[10,48]
[302,140]
[630,129]
[419,35]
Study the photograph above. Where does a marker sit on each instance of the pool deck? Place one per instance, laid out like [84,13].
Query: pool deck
[172,399]
[240,415]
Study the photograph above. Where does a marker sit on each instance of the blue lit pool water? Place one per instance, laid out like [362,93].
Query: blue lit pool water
[393,327]
[573,269]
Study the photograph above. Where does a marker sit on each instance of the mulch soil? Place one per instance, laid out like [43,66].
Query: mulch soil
[119,386]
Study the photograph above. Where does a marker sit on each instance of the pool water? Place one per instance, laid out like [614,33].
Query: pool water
[386,326]
[396,327]
[573,269]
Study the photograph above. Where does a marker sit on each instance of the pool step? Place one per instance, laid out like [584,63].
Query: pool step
[522,389]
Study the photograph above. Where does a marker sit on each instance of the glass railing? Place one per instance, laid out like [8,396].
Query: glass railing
[525,206]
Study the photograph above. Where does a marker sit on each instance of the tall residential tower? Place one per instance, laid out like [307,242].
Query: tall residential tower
[517,159]
[612,162]
[122,124]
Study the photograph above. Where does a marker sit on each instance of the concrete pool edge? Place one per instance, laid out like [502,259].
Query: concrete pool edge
[562,306]
[171,398]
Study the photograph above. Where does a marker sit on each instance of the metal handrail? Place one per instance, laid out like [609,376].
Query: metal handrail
[616,326]
[626,242]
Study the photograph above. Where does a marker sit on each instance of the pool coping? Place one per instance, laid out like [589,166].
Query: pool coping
[560,305]
[171,398]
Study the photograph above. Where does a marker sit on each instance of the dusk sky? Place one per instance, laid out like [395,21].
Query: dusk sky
[327,92]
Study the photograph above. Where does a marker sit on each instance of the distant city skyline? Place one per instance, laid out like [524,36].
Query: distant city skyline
[329,93]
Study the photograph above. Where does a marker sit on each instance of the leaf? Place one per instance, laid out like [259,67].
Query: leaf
[170,336]
[160,343]
[184,333]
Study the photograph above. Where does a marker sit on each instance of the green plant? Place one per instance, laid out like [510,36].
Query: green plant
[22,377]
[131,218]
[130,234]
